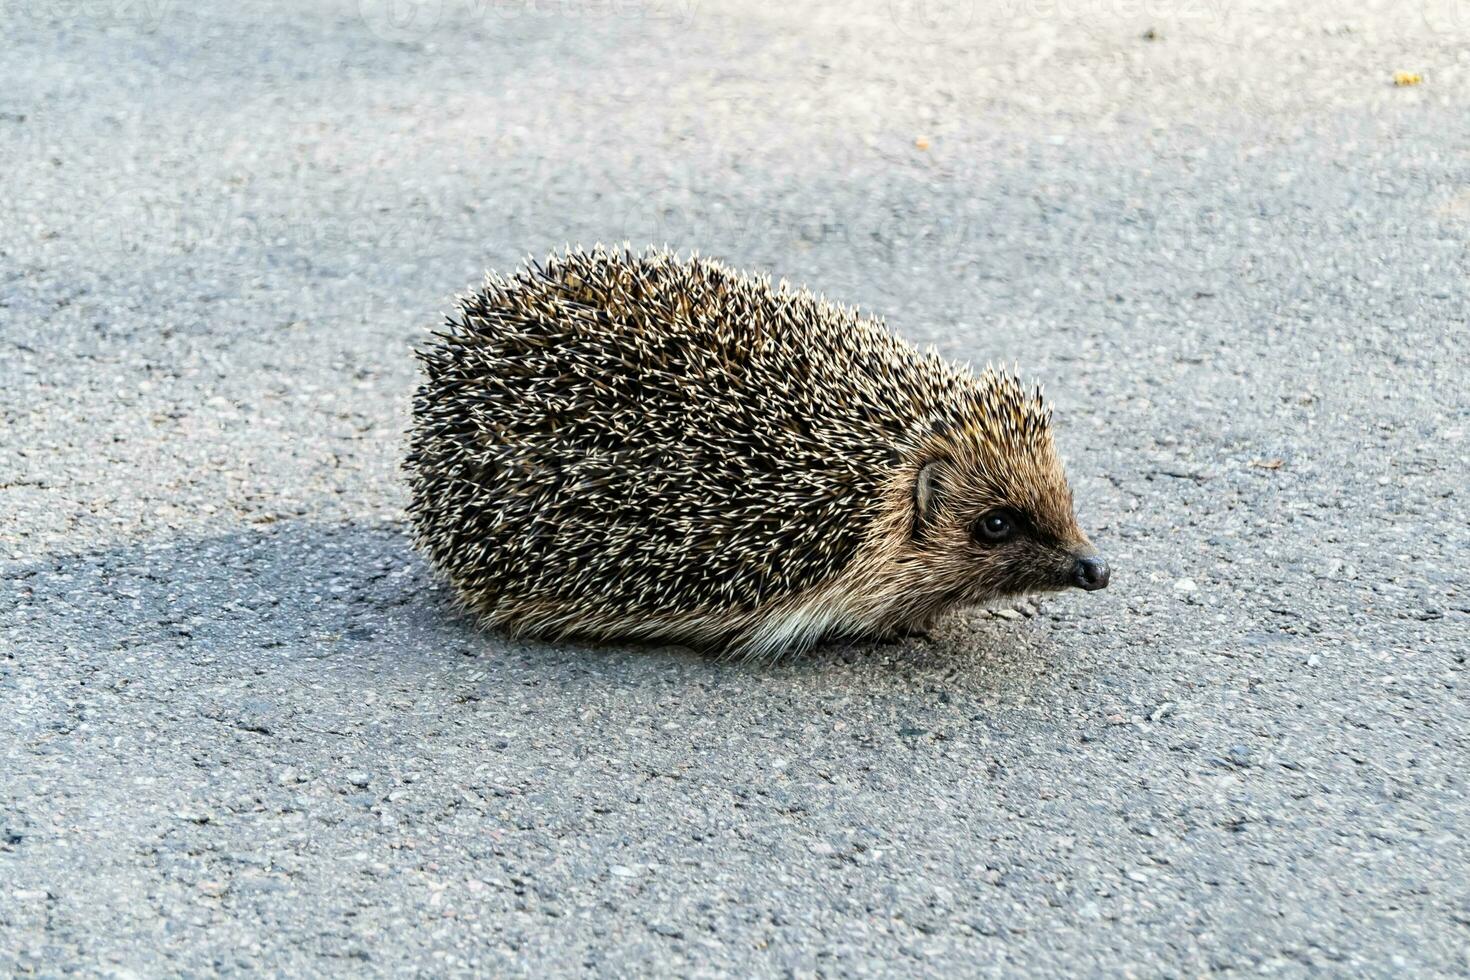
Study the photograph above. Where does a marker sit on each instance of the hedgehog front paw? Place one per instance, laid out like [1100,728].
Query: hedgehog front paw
[1026,607]
[904,632]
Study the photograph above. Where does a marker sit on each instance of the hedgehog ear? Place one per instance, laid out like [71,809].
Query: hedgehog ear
[928,494]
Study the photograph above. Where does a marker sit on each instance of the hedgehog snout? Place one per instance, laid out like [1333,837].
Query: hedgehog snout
[1090,572]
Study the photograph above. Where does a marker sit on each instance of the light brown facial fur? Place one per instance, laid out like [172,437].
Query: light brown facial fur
[998,463]
[989,524]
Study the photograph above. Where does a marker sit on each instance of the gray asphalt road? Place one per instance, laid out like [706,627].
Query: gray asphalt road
[244,730]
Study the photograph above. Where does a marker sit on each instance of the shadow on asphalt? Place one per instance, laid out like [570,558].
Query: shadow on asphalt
[359,593]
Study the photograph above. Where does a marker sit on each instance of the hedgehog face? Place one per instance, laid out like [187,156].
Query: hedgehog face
[995,522]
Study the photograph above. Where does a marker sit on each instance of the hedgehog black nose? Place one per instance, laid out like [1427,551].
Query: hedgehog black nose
[1090,573]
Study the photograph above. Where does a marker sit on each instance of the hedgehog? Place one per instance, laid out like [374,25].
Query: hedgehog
[633,446]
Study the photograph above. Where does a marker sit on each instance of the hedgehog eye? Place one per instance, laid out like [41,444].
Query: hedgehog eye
[995,527]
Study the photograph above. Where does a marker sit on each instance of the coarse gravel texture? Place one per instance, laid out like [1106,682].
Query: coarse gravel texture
[245,730]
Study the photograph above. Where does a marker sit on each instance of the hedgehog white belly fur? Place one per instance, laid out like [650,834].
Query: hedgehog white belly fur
[614,445]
